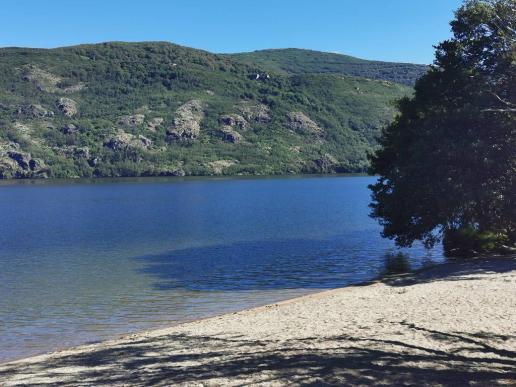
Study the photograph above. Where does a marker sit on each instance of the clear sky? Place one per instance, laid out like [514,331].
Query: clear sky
[393,30]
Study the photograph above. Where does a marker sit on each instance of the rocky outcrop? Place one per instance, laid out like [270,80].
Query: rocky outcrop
[300,123]
[154,123]
[169,171]
[67,106]
[254,112]
[33,111]
[48,82]
[26,131]
[23,129]
[230,123]
[14,163]
[327,163]
[44,80]
[187,121]
[131,120]
[74,152]
[78,153]
[123,140]
[234,120]
[73,88]
[218,166]
[144,141]
[69,129]
[230,135]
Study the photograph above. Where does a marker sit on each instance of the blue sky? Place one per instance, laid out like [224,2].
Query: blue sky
[393,30]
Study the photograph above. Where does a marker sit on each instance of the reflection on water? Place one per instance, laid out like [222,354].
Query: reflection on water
[282,264]
[84,261]
[396,263]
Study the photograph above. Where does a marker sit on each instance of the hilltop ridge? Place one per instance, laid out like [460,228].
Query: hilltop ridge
[301,61]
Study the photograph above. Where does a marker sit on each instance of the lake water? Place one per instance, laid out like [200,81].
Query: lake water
[83,261]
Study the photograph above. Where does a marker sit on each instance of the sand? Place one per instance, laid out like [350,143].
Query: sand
[454,324]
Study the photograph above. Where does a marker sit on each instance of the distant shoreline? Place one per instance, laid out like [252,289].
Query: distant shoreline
[452,322]
[135,179]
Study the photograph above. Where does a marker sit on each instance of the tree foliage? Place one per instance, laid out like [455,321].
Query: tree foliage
[447,164]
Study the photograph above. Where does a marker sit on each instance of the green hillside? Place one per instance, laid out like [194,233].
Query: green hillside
[298,61]
[135,109]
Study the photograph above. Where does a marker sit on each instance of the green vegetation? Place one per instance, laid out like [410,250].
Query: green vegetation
[297,61]
[137,109]
[448,162]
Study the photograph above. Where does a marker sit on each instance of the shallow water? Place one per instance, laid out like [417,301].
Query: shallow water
[83,261]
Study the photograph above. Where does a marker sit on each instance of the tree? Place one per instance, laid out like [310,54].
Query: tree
[447,164]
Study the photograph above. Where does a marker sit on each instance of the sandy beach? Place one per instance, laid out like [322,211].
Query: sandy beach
[454,324]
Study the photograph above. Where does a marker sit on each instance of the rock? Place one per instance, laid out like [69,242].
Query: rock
[177,172]
[252,111]
[123,140]
[33,111]
[218,166]
[79,153]
[24,129]
[230,135]
[327,163]
[187,121]
[48,82]
[93,161]
[154,123]
[300,123]
[234,120]
[9,169]
[146,142]
[69,129]
[21,159]
[259,76]
[171,172]
[75,152]
[33,164]
[73,88]
[229,124]
[131,120]
[15,163]
[82,152]
[44,80]
[67,106]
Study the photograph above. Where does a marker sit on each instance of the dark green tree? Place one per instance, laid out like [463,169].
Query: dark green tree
[447,164]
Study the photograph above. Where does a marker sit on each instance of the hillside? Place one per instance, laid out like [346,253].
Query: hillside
[135,109]
[298,61]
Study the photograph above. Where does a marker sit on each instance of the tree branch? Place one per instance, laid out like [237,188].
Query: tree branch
[501,100]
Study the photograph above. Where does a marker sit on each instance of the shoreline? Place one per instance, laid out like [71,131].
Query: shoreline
[318,322]
[174,179]
[169,325]
[311,292]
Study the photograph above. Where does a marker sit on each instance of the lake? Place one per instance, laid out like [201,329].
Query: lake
[83,261]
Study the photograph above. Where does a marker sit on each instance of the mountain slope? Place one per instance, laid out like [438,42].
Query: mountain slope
[298,61]
[131,109]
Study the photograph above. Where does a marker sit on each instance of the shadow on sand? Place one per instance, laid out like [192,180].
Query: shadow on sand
[176,359]
[454,270]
